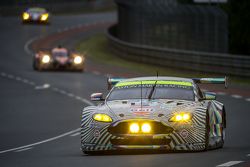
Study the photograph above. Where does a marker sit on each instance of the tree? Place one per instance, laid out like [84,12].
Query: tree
[239,26]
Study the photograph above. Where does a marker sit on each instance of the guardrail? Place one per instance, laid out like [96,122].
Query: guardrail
[225,64]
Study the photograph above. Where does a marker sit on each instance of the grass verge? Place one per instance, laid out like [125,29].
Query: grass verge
[97,49]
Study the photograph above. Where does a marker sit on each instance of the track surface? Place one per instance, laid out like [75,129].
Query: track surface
[41,110]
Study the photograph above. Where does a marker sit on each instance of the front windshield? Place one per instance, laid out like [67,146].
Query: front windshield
[60,54]
[37,10]
[162,91]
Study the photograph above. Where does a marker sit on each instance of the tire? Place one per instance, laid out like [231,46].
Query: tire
[207,133]
[223,129]
[34,65]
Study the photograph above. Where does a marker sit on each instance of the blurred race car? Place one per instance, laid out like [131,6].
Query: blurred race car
[58,58]
[38,15]
[157,113]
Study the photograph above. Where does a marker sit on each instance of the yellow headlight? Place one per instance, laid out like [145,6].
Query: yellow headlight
[44,16]
[26,16]
[78,60]
[134,128]
[45,59]
[186,117]
[181,117]
[102,118]
[145,128]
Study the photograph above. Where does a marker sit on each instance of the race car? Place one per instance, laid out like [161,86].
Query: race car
[58,58]
[36,15]
[154,113]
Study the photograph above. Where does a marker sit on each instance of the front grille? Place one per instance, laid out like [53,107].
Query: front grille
[122,128]
[140,141]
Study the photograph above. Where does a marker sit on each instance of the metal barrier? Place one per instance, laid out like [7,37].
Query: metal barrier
[173,24]
[225,64]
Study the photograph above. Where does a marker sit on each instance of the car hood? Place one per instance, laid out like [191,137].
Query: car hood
[133,109]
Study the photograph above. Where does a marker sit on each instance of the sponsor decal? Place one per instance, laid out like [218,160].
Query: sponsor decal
[97,133]
[184,133]
[142,111]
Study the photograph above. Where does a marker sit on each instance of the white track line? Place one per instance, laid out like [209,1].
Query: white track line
[25,149]
[248,155]
[70,95]
[31,83]
[41,142]
[26,46]
[248,99]
[62,91]
[221,93]
[230,163]
[236,96]
[75,134]
[87,102]
[3,74]
[78,98]
[44,86]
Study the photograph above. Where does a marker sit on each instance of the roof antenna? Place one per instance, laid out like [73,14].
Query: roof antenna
[141,95]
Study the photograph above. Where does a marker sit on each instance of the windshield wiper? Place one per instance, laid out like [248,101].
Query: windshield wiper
[152,91]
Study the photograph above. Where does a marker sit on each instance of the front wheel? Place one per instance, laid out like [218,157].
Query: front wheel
[207,132]
[223,130]
[35,65]
[220,143]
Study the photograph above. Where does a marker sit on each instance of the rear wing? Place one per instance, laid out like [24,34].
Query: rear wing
[112,81]
[212,81]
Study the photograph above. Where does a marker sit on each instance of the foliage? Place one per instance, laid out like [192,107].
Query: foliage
[239,26]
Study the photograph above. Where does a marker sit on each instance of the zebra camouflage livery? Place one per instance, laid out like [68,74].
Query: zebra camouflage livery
[156,120]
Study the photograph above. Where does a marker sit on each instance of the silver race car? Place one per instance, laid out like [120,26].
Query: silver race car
[163,113]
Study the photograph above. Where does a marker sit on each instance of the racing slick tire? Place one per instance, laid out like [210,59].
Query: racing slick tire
[207,133]
[223,129]
[35,65]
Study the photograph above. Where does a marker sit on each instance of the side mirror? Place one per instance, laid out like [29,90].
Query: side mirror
[209,96]
[96,97]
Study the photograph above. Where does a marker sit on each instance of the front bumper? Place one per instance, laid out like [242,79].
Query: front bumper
[30,20]
[94,138]
[58,66]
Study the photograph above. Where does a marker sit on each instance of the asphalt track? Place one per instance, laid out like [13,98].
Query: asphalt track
[40,111]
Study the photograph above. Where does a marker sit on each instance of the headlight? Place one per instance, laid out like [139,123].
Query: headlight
[44,16]
[45,59]
[145,128]
[181,117]
[102,118]
[134,128]
[26,16]
[140,128]
[78,60]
